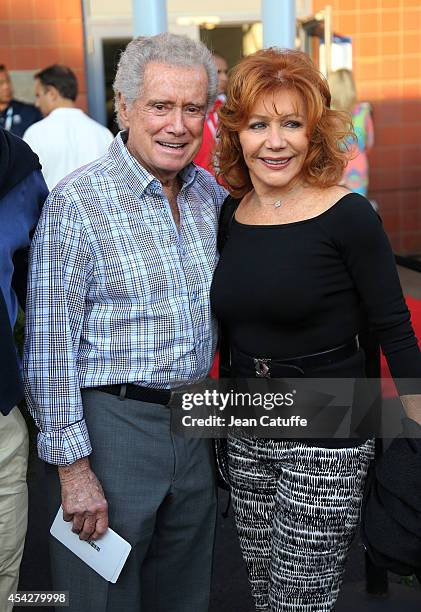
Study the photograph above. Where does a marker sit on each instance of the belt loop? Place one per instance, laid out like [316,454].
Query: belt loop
[123,391]
[172,397]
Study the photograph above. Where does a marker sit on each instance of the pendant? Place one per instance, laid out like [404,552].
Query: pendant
[277,204]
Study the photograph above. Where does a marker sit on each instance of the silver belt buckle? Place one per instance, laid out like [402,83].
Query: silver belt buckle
[262,367]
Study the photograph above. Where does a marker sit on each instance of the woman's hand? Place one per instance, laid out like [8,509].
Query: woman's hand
[412,407]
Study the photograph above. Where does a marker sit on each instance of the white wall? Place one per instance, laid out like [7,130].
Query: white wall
[226,10]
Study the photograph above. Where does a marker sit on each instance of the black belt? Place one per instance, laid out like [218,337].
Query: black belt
[245,365]
[136,392]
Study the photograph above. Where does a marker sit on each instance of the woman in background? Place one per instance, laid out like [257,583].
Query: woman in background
[303,259]
[344,97]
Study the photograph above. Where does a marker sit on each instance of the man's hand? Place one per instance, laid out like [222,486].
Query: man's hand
[83,500]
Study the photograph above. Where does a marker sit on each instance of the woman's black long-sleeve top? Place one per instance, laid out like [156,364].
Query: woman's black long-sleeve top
[300,288]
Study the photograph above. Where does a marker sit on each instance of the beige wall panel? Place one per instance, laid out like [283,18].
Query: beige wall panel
[227,10]
[99,9]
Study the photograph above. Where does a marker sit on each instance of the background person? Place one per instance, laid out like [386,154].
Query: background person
[66,138]
[118,315]
[303,260]
[22,194]
[344,97]
[15,116]
[205,156]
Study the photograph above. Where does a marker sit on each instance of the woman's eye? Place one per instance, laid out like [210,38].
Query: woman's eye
[257,125]
[293,124]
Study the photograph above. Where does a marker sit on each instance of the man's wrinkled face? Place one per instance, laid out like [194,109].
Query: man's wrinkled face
[6,90]
[165,123]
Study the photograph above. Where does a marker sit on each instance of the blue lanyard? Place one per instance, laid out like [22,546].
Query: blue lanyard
[9,119]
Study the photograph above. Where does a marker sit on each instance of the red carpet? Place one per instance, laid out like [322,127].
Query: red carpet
[388,386]
[214,369]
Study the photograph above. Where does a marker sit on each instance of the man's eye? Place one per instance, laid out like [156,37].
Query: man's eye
[194,110]
[159,107]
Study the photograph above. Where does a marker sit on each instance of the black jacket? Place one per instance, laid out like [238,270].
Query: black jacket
[391,513]
[11,389]
[21,116]
[17,162]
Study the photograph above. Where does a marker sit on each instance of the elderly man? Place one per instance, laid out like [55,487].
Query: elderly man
[119,315]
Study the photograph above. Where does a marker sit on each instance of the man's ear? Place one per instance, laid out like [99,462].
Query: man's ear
[53,92]
[123,111]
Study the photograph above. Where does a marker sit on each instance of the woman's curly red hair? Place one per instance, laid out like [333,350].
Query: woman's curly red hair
[264,73]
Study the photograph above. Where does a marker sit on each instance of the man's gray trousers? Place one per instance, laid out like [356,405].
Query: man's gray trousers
[161,492]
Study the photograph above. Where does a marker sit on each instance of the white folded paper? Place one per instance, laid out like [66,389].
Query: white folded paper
[107,555]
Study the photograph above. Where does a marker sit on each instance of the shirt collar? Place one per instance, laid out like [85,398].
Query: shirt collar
[126,167]
[66,110]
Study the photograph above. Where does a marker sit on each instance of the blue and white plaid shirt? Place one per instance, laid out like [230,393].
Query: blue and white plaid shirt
[116,294]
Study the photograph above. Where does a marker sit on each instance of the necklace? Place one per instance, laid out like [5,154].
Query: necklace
[280,202]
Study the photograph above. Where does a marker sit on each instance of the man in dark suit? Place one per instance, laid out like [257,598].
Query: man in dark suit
[15,116]
[22,193]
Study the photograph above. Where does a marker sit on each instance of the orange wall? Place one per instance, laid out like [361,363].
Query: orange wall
[386,37]
[36,33]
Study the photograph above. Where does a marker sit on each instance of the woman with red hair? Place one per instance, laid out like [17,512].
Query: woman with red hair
[304,261]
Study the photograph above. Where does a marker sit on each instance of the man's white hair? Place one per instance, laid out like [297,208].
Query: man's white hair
[164,48]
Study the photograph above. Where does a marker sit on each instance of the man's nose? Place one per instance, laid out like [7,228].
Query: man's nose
[176,124]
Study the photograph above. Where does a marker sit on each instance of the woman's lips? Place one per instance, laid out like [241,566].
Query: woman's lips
[275,163]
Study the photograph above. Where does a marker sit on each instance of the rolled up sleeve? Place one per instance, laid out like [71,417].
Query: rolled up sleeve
[60,265]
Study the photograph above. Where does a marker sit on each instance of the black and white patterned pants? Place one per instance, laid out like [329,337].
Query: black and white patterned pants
[297,509]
